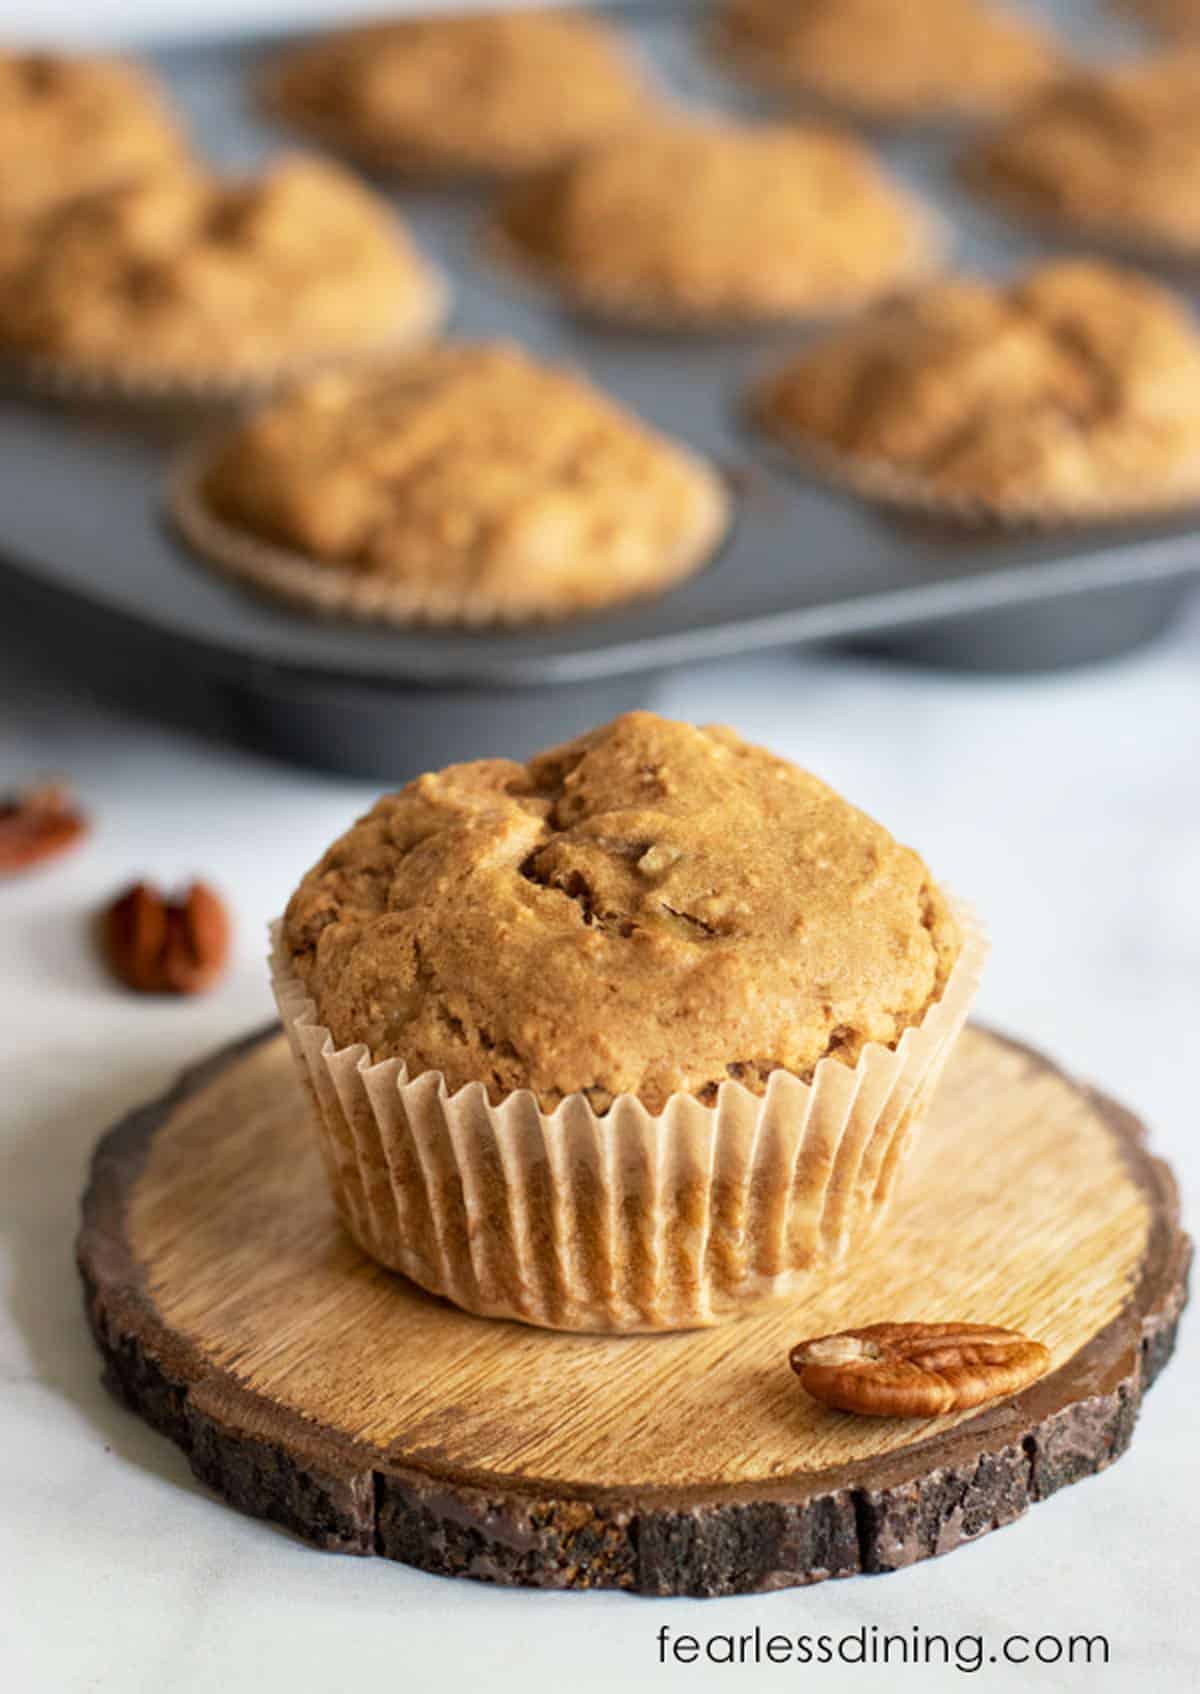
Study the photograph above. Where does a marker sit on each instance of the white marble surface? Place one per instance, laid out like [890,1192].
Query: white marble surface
[1067,806]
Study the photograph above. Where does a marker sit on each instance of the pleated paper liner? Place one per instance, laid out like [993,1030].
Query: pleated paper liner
[885,484]
[930,248]
[137,381]
[631,1221]
[341,591]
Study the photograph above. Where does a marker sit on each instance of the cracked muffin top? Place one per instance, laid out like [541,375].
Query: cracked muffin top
[190,274]
[1076,385]
[71,125]
[651,908]
[893,61]
[1115,153]
[475,474]
[487,94]
[710,220]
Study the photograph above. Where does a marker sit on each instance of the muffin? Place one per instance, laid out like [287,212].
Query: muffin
[1071,392]
[185,280]
[476,95]
[919,61]
[465,484]
[1178,19]
[705,223]
[72,125]
[626,1038]
[1112,155]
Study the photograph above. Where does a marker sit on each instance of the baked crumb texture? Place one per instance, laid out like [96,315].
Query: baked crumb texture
[649,909]
[467,482]
[1113,154]
[892,60]
[652,1019]
[487,94]
[697,223]
[193,278]
[72,125]
[1074,390]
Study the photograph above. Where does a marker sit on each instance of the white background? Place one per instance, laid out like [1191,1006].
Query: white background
[1068,807]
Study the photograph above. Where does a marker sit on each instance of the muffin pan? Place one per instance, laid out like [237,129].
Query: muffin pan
[111,593]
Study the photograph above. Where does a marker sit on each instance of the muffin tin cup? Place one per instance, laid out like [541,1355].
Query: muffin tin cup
[886,485]
[929,253]
[336,591]
[628,1222]
[142,383]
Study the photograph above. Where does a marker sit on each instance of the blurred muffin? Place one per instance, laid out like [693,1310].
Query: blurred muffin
[1179,19]
[467,484]
[630,1037]
[71,125]
[185,279]
[1113,155]
[1073,392]
[709,223]
[914,61]
[481,94]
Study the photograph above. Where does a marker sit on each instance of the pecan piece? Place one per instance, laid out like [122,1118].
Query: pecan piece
[155,945]
[917,1370]
[37,824]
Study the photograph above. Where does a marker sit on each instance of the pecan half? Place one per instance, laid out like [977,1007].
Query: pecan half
[917,1370]
[160,946]
[37,824]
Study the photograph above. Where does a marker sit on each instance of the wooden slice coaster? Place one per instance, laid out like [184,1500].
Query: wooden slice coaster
[311,1387]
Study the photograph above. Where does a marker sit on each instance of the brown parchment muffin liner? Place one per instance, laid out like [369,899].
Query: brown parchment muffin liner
[626,1222]
[336,590]
[886,485]
[135,381]
[930,248]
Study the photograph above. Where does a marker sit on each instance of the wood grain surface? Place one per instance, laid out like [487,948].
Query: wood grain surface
[310,1386]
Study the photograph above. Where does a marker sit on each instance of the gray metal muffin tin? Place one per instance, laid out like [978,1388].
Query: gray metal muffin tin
[90,566]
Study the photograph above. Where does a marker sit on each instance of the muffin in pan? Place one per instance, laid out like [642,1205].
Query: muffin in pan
[1111,156]
[488,94]
[466,484]
[700,223]
[1177,19]
[185,281]
[630,1037]
[921,61]
[70,125]
[1070,393]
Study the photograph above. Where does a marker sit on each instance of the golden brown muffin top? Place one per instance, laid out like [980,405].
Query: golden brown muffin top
[71,125]
[487,93]
[1076,384]
[1114,152]
[719,220]
[651,908]
[477,472]
[893,59]
[189,273]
